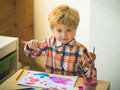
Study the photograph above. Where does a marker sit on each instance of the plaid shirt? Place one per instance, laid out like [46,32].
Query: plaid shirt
[63,59]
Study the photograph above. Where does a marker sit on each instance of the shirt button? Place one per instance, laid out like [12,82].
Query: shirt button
[60,67]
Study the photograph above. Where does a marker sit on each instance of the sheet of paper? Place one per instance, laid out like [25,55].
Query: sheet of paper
[45,80]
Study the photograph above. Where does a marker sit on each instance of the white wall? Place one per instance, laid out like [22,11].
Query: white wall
[43,7]
[104,34]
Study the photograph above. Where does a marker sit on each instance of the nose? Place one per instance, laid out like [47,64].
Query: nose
[64,34]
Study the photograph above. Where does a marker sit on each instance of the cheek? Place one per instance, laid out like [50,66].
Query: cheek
[56,35]
[74,34]
[71,35]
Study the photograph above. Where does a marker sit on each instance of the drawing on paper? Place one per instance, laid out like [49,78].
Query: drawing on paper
[45,80]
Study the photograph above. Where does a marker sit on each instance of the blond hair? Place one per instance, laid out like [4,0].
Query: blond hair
[64,14]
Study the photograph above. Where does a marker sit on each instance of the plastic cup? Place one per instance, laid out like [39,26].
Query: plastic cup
[80,88]
[90,84]
[89,87]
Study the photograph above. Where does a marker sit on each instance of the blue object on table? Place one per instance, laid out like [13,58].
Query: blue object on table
[26,89]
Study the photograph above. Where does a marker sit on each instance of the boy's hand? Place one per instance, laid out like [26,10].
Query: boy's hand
[34,44]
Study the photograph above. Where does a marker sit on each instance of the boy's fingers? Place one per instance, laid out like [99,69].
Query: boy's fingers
[32,42]
[37,49]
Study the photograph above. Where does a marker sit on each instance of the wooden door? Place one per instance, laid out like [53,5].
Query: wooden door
[24,27]
[6,20]
[16,19]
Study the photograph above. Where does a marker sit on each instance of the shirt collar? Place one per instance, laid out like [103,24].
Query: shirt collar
[58,43]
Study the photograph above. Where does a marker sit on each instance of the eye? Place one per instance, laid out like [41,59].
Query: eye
[59,30]
[69,30]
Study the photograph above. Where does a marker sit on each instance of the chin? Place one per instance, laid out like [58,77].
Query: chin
[64,42]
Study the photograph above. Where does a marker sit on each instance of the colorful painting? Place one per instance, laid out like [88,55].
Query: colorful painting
[45,80]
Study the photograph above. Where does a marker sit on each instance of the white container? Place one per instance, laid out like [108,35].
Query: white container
[8,57]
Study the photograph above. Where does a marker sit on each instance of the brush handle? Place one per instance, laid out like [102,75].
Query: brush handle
[23,42]
[92,64]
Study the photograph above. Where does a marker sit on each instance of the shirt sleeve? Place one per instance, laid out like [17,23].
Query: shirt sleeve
[35,53]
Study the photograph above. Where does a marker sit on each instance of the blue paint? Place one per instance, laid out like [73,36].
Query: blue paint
[42,75]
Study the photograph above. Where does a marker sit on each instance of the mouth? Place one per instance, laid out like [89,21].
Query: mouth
[64,39]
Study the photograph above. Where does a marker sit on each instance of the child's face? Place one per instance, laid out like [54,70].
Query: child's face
[64,33]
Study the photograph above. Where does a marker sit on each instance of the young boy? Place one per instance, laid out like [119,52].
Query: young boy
[63,54]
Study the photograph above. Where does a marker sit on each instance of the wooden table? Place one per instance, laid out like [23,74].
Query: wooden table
[11,83]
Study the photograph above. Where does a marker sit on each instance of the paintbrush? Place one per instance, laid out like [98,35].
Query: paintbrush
[92,63]
[23,42]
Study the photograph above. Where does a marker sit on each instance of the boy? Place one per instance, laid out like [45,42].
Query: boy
[63,54]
